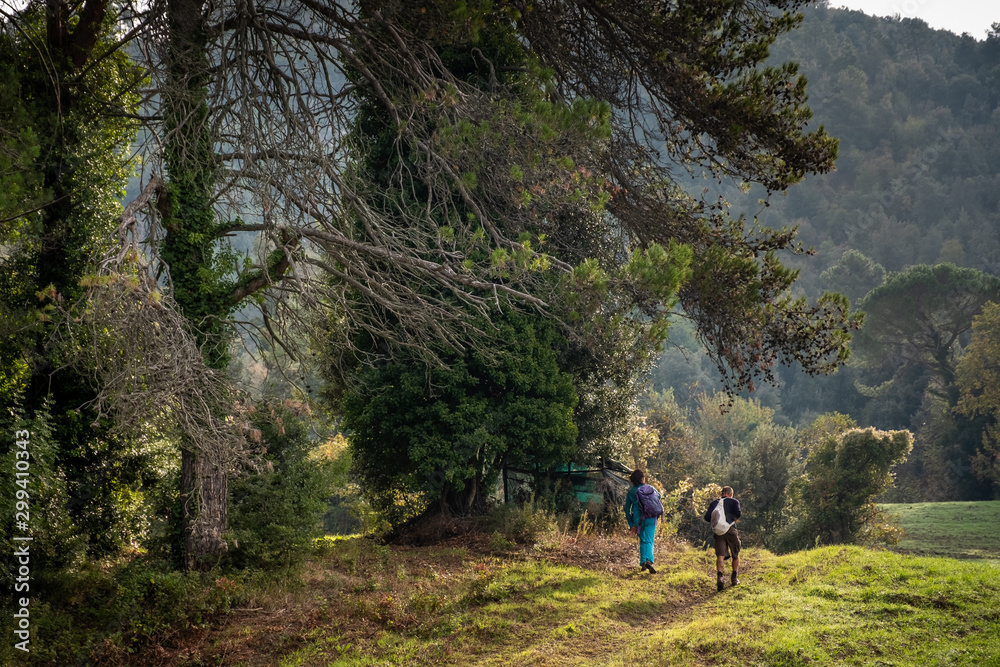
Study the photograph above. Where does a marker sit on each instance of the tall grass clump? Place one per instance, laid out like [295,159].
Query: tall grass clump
[520,523]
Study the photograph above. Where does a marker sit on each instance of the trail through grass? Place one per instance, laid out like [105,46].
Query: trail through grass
[583,602]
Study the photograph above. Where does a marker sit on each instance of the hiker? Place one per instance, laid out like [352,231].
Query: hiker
[642,509]
[727,539]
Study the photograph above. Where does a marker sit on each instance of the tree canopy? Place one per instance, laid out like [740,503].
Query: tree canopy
[682,98]
[443,435]
[921,314]
[979,387]
[409,176]
[854,275]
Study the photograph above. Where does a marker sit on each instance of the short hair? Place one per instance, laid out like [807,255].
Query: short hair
[727,490]
[638,477]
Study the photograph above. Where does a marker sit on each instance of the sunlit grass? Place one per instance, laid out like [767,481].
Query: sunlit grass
[829,606]
[956,529]
[841,606]
[575,599]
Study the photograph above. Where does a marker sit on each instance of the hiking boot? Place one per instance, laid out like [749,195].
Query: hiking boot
[735,580]
[649,566]
[719,585]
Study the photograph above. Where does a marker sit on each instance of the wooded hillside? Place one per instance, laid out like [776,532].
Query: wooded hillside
[917,182]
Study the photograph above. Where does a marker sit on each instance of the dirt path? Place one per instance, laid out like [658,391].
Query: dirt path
[353,602]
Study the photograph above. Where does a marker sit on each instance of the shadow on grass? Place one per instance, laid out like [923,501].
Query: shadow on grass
[578,584]
[637,611]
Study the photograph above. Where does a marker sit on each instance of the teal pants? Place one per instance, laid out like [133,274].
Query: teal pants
[647,532]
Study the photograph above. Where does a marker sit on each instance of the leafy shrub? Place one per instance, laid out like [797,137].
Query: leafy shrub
[102,614]
[836,496]
[276,507]
[674,503]
[760,472]
[347,512]
[56,541]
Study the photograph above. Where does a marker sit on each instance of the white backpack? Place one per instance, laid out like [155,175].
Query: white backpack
[719,524]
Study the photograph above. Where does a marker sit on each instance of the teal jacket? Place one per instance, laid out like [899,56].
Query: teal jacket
[633,513]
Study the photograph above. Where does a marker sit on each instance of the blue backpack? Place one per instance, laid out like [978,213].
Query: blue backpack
[650,506]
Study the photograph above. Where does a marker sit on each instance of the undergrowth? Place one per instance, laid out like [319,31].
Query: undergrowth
[105,613]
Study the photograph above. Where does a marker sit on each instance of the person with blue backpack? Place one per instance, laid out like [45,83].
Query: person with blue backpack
[642,509]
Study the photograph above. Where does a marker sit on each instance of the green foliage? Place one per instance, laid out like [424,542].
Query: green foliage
[529,143]
[76,121]
[679,455]
[760,472]
[80,153]
[346,513]
[581,172]
[919,320]
[844,473]
[916,183]
[95,614]
[921,313]
[57,542]
[198,271]
[620,317]
[101,507]
[749,322]
[690,501]
[723,422]
[421,435]
[912,108]
[20,180]
[674,500]
[277,502]
[946,452]
[979,386]
[533,158]
[854,275]
[822,429]
[658,273]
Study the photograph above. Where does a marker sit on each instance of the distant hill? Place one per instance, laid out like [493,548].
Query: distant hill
[916,111]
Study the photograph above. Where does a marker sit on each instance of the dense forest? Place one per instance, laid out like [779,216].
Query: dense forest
[917,182]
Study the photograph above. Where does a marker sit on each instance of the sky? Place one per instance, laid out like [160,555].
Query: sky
[958,16]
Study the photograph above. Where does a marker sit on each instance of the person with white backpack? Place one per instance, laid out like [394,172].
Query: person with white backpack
[723,515]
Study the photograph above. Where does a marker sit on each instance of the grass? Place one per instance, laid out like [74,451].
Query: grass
[582,601]
[956,529]
[841,606]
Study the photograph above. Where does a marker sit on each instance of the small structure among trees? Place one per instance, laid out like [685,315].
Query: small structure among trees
[592,487]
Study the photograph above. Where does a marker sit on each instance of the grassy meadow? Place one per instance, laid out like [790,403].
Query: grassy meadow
[581,600]
[956,529]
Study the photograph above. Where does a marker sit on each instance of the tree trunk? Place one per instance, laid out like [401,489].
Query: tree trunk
[204,494]
[468,501]
[188,249]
